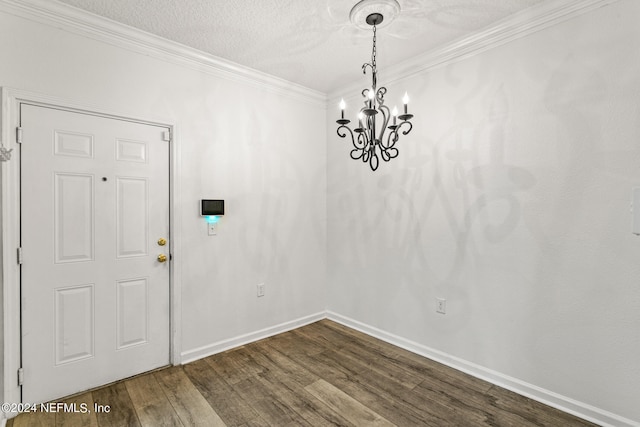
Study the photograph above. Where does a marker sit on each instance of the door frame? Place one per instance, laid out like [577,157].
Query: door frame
[10,232]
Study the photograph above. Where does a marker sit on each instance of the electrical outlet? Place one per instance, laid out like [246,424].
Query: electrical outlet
[260,290]
[441,305]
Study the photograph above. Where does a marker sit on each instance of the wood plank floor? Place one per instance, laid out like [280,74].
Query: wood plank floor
[319,375]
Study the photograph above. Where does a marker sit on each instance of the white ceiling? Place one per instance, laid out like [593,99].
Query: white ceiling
[309,42]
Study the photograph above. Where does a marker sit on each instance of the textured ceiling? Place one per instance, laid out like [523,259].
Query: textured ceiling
[309,42]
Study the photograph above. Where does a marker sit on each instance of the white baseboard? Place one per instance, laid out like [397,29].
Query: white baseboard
[555,400]
[218,347]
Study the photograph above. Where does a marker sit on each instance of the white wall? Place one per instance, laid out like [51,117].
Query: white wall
[510,198]
[261,150]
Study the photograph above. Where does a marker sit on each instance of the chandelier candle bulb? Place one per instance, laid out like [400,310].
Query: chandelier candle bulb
[342,121]
[394,113]
[405,101]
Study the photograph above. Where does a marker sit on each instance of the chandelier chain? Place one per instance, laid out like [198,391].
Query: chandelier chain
[374,51]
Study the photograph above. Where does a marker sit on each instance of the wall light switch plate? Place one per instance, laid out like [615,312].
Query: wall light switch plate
[441,305]
[211,226]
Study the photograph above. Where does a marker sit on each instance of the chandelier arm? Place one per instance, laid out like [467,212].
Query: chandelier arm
[370,154]
[392,139]
[344,134]
[360,149]
[386,116]
[403,123]
[356,154]
[367,146]
[360,143]
[384,154]
[363,139]
[390,151]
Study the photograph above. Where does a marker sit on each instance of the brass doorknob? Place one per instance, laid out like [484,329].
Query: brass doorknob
[161,242]
[162,258]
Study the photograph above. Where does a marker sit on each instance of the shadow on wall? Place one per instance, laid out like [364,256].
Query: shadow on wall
[407,196]
[397,228]
[498,180]
[285,213]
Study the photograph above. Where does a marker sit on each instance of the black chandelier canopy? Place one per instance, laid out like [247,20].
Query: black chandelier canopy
[369,140]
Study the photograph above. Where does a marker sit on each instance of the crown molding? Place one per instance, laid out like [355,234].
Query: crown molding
[68,18]
[74,20]
[514,27]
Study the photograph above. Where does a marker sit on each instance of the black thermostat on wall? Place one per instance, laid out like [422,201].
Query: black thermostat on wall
[211,207]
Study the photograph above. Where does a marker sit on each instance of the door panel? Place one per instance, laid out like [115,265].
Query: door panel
[132,151]
[94,202]
[132,218]
[73,144]
[73,213]
[132,312]
[74,333]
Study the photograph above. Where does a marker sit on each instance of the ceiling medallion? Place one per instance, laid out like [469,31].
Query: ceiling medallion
[370,143]
[389,9]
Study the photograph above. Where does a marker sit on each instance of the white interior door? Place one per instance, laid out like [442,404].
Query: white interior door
[95,296]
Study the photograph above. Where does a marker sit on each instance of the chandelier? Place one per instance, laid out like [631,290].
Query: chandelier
[369,141]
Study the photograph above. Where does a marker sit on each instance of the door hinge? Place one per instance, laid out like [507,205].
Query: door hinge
[19,135]
[19,251]
[166,135]
[20,376]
